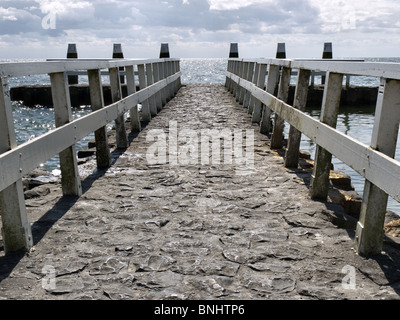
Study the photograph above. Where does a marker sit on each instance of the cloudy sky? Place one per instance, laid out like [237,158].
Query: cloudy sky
[199,28]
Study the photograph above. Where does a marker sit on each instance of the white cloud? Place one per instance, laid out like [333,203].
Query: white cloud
[371,26]
[234,4]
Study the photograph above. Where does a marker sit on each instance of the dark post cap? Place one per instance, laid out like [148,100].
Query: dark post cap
[164,51]
[234,51]
[72,53]
[117,51]
[281,51]
[327,54]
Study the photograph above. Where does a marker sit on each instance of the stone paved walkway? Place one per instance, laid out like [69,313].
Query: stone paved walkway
[143,231]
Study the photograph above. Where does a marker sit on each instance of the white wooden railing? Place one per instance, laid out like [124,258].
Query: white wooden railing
[159,80]
[246,79]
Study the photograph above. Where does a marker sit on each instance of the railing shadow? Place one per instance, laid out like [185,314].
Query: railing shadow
[61,207]
[389,261]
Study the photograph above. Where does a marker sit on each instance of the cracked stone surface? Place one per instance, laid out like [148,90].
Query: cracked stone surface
[193,231]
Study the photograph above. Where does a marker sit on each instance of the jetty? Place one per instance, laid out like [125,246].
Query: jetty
[196,193]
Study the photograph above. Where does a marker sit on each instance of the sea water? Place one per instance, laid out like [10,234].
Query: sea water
[356,122]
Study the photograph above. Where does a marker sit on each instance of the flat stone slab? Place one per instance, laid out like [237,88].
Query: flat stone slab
[193,231]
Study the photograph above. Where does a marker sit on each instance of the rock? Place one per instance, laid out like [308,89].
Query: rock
[39,178]
[349,200]
[108,265]
[37,192]
[304,155]
[86,153]
[339,218]
[393,228]
[271,284]
[340,180]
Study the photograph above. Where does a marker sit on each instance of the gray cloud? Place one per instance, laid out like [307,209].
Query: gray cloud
[155,21]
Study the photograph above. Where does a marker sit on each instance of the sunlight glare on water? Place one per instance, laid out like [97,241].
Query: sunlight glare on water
[355,122]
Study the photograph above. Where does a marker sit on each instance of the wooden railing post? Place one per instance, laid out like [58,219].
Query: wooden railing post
[239,73]
[322,160]
[236,90]
[299,102]
[178,81]
[369,233]
[163,91]
[227,79]
[250,102]
[260,82]
[243,75]
[171,85]
[16,229]
[131,89]
[70,180]
[116,95]
[146,115]
[149,82]
[103,159]
[249,77]
[156,76]
[283,93]
[272,81]
[166,75]
[231,84]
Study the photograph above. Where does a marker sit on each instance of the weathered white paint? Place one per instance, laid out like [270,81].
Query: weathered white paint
[257,105]
[70,180]
[146,115]
[249,76]
[149,82]
[375,166]
[373,69]
[300,101]
[16,161]
[116,95]
[370,230]
[131,89]
[283,94]
[375,163]
[103,158]
[250,98]
[18,69]
[157,96]
[31,154]
[319,186]
[16,231]
[272,82]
